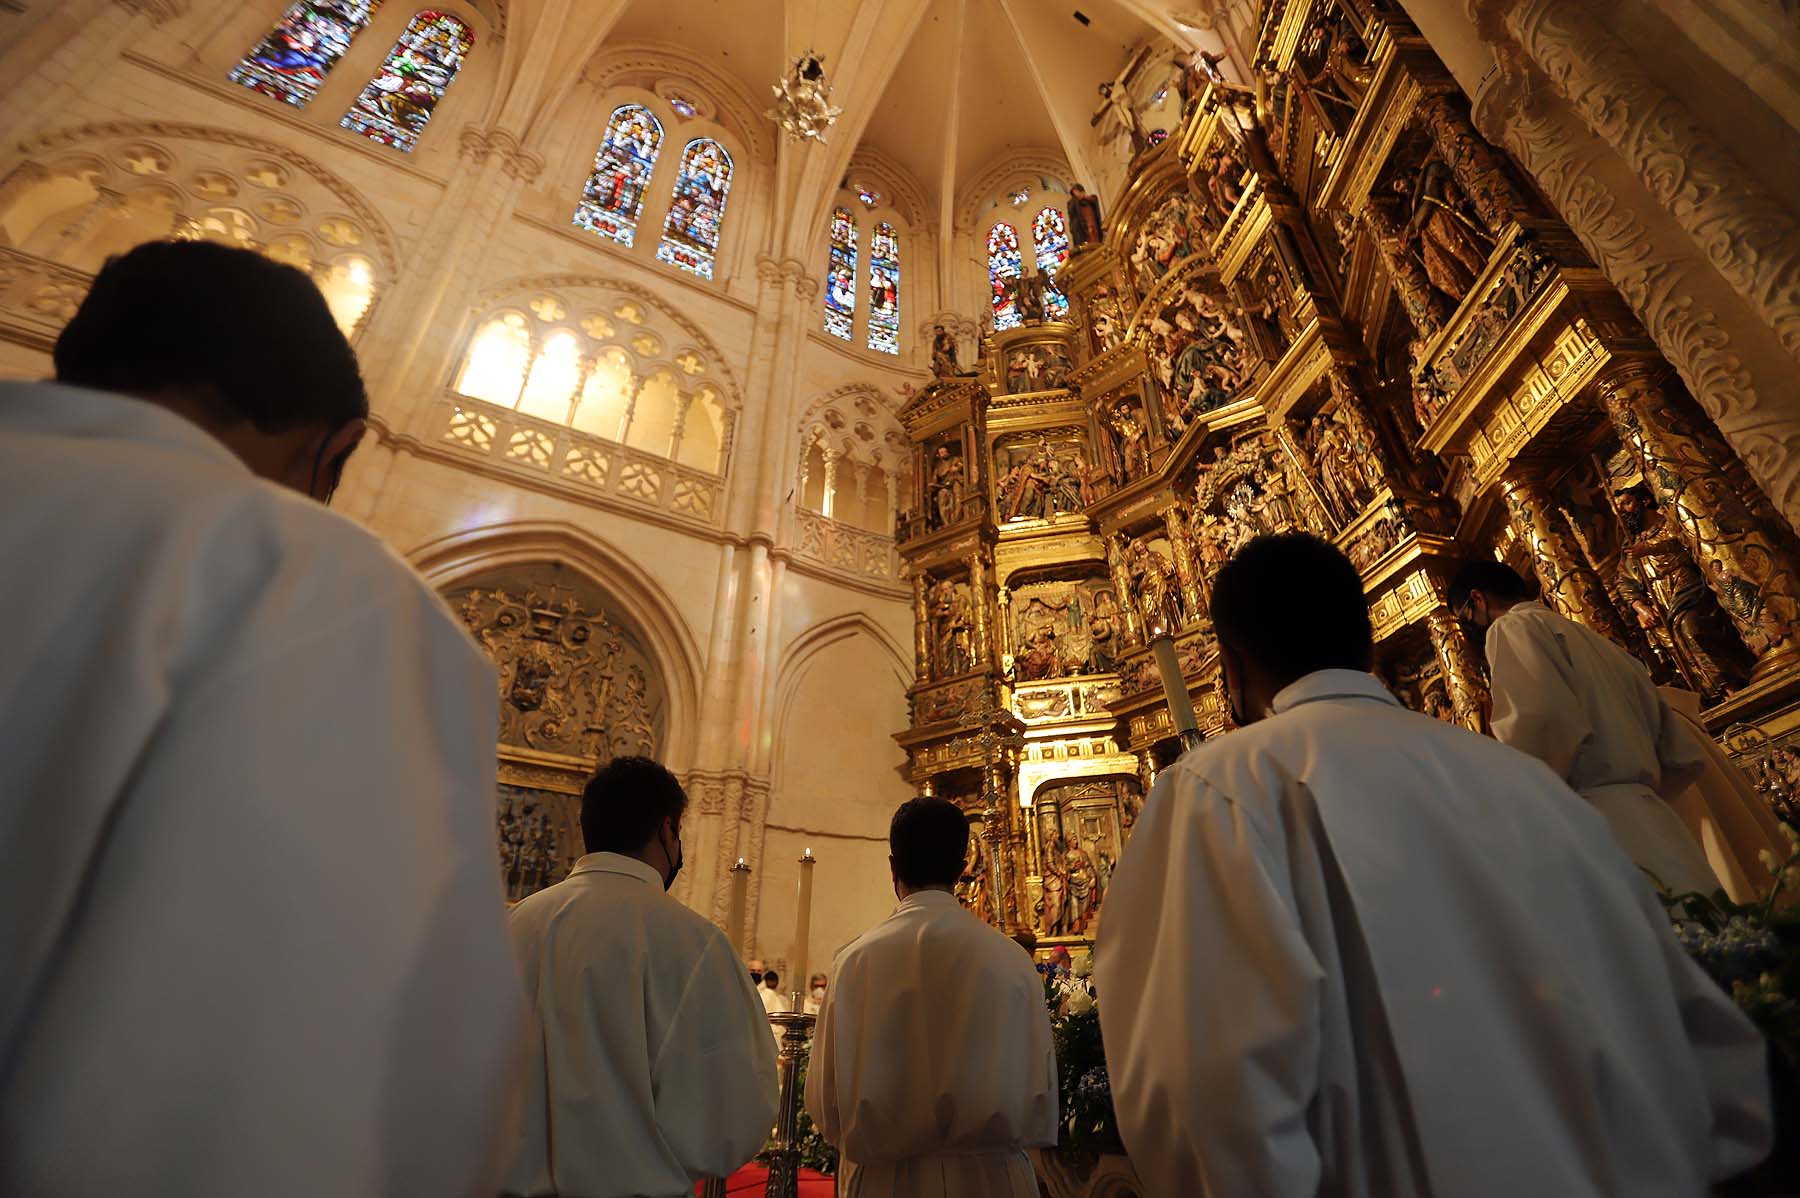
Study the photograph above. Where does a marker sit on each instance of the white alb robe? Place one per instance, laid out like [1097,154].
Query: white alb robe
[932,1066]
[250,914]
[1354,951]
[651,1065]
[1588,709]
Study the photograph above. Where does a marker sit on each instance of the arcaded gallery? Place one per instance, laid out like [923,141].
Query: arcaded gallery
[846,402]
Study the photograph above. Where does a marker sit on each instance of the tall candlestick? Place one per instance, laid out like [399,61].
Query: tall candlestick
[740,893]
[1181,708]
[802,929]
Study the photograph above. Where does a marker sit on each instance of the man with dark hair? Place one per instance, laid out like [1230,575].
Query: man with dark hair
[246,828]
[1351,949]
[650,1064]
[932,1066]
[1589,710]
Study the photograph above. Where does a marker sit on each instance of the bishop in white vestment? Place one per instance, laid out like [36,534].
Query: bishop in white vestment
[1589,710]
[250,916]
[1351,950]
[932,1067]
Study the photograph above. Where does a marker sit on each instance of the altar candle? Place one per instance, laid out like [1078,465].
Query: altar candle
[740,893]
[802,925]
[1181,708]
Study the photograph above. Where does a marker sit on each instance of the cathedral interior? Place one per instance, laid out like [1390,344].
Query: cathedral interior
[868,444]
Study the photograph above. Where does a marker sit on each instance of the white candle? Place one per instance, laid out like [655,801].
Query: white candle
[802,925]
[1181,708]
[740,894]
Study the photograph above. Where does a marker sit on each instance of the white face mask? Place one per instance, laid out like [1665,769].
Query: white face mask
[818,994]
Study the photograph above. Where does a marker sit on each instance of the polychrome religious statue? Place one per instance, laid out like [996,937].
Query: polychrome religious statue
[1442,230]
[1130,441]
[943,354]
[1084,218]
[1669,598]
[948,480]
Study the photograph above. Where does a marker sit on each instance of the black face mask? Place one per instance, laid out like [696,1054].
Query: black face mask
[756,977]
[674,872]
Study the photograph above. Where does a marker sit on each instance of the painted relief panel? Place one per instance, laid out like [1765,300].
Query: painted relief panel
[1041,475]
[1064,627]
[1081,833]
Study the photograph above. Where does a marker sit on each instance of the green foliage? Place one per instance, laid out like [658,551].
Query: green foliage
[1089,1126]
[1751,949]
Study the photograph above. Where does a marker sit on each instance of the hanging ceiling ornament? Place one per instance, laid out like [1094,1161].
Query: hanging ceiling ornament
[803,105]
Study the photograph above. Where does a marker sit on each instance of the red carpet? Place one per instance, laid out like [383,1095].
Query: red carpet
[751,1179]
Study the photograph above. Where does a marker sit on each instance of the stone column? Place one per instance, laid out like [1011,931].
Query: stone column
[978,603]
[1570,585]
[921,632]
[1748,566]
[1477,168]
[1187,570]
[1747,234]
[1464,678]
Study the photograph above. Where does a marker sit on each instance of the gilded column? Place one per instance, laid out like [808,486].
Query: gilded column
[1372,458]
[921,631]
[1427,309]
[1187,570]
[1747,565]
[1477,168]
[978,594]
[1115,559]
[1003,632]
[1570,585]
[1464,678]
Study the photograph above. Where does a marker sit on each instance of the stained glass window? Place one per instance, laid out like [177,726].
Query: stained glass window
[682,105]
[840,275]
[1050,237]
[1019,197]
[613,197]
[884,289]
[300,51]
[394,108]
[691,234]
[868,198]
[1004,272]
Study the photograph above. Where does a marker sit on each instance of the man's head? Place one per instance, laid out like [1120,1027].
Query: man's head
[816,987]
[756,969]
[928,842]
[1285,607]
[633,807]
[771,980]
[1077,190]
[239,344]
[1482,590]
[1634,503]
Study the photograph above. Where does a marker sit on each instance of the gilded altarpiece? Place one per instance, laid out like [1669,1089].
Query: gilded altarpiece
[1322,303]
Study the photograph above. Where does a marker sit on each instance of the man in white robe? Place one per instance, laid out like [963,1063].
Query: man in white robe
[1588,709]
[251,930]
[651,1066]
[1351,950]
[932,1066]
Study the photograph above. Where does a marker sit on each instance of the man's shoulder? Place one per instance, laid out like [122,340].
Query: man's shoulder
[612,902]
